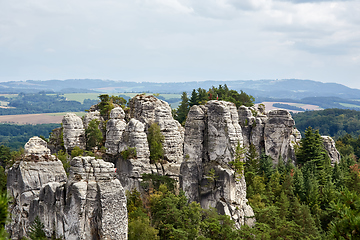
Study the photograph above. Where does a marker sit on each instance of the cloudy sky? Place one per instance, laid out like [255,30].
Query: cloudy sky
[180,40]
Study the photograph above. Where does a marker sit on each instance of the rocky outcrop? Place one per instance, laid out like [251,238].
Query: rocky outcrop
[26,180]
[278,129]
[115,127]
[73,132]
[272,133]
[329,145]
[90,204]
[211,137]
[89,116]
[96,203]
[148,110]
[37,147]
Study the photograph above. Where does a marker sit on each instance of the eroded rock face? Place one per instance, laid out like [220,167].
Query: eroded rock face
[36,146]
[278,129]
[272,133]
[212,133]
[96,203]
[114,130]
[329,145]
[91,204]
[89,116]
[73,132]
[26,180]
[148,110]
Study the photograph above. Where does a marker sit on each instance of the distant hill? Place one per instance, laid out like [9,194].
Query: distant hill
[286,88]
[324,95]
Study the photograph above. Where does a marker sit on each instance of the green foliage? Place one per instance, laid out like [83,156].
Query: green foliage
[155,140]
[139,222]
[93,134]
[183,109]
[15,136]
[211,175]
[76,151]
[36,230]
[201,96]
[155,181]
[64,158]
[238,162]
[330,122]
[346,224]
[128,153]
[107,104]
[30,103]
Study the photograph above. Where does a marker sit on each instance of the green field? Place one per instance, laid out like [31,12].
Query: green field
[349,105]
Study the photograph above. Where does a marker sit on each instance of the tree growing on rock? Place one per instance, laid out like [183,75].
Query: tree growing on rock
[94,137]
[155,140]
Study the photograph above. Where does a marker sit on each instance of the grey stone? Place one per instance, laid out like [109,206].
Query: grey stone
[73,132]
[329,145]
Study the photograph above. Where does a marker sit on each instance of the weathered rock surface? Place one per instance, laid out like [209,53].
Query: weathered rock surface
[73,132]
[329,145]
[272,133]
[96,203]
[148,110]
[212,133]
[91,204]
[115,127]
[26,179]
[36,146]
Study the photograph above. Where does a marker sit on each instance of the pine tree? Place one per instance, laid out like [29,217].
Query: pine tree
[36,230]
[194,100]
[183,109]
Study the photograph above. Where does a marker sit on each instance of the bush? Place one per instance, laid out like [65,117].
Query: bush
[128,153]
[77,151]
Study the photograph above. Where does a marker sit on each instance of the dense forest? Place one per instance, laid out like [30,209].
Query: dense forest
[29,103]
[330,122]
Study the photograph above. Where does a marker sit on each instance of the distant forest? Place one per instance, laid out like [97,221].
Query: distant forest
[331,122]
[15,136]
[30,103]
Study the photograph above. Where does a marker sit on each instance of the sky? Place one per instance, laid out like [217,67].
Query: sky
[180,40]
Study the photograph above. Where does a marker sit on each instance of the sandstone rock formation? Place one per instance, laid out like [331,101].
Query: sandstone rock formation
[329,145]
[148,110]
[26,179]
[115,127]
[212,133]
[73,132]
[36,146]
[96,203]
[272,133]
[90,204]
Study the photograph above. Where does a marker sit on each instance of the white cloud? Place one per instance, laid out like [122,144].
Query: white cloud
[179,39]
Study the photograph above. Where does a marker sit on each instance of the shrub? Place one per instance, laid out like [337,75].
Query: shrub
[128,153]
